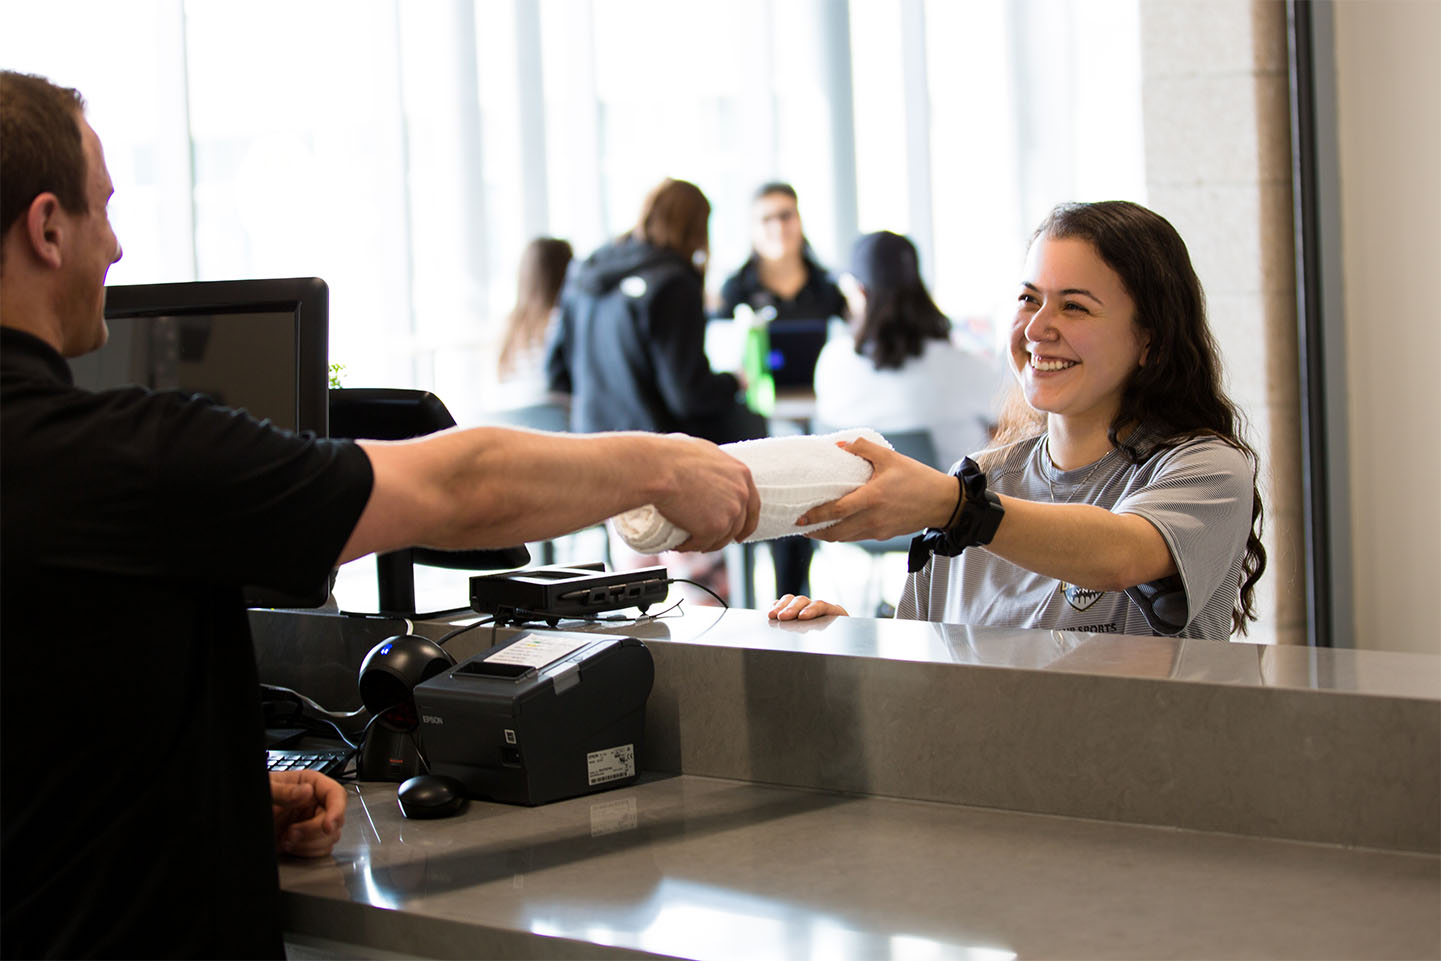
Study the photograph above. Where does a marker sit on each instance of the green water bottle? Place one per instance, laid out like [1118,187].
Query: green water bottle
[760,384]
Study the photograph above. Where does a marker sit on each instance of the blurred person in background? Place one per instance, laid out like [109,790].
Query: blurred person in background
[782,280]
[899,370]
[520,370]
[781,272]
[629,341]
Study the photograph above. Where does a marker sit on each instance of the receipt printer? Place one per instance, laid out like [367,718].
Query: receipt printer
[548,715]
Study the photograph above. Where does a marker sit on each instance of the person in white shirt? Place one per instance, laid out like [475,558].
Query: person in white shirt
[899,370]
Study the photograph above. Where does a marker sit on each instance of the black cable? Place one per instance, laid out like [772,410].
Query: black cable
[307,721]
[462,630]
[686,580]
[419,750]
[365,732]
[375,717]
[644,616]
[341,734]
[313,705]
[502,616]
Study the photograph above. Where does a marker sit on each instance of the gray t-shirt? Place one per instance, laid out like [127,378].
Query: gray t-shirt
[1198,495]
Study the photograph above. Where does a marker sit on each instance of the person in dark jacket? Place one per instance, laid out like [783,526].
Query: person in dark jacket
[630,344]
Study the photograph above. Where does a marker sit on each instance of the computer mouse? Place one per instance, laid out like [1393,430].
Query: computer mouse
[431,796]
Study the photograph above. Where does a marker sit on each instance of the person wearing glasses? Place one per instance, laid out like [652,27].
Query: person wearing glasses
[782,273]
[782,280]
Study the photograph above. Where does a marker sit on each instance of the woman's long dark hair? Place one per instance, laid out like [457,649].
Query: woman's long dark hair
[897,324]
[1177,393]
[900,315]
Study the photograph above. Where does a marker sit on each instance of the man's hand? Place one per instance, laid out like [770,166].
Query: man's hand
[903,496]
[798,607]
[493,486]
[309,811]
[714,497]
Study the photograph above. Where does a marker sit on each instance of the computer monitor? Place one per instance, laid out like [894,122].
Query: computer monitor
[258,344]
[261,345]
[795,346]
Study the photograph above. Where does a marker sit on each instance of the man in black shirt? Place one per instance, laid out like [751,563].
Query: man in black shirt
[134,802]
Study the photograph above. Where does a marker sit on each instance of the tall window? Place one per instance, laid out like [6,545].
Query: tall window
[406,152]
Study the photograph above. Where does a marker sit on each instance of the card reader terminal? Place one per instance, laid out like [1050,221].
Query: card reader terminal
[559,592]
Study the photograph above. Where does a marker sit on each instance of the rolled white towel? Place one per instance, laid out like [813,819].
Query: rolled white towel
[792,474]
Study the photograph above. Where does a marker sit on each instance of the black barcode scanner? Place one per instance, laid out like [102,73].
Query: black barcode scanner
[388,675]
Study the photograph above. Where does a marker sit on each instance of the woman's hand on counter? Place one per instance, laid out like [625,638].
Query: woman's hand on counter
[798,607]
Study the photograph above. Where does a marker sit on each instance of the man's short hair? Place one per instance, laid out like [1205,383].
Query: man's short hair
[40,146]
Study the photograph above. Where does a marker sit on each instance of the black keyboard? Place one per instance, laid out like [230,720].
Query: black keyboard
[325,760]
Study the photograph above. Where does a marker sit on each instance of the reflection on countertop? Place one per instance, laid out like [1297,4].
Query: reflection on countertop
[1381,673]
[853,788]
[706,868]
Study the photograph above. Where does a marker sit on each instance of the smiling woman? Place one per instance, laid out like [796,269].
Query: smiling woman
[1127,502]
[1075,341]
[408,151]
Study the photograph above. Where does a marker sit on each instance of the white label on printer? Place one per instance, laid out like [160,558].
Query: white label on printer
[611,764]
[537,650]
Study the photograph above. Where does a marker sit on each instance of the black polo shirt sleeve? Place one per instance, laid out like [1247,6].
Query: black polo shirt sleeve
[168,485]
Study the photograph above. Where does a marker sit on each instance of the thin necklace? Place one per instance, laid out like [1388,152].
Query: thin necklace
[1050,464]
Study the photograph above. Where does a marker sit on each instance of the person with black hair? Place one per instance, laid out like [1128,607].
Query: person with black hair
[899,370]
[1121,497]
[782,280]
[782,273]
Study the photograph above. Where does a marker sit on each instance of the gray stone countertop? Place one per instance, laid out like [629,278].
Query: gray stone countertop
[1378,673]
[696,867]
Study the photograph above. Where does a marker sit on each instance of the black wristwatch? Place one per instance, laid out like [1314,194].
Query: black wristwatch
[977,515]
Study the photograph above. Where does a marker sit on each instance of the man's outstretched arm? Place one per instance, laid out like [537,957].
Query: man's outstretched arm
[496,487]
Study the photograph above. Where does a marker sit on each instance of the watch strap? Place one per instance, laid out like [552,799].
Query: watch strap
[974,523]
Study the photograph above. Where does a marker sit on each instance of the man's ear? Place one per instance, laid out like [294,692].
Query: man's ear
[45,226]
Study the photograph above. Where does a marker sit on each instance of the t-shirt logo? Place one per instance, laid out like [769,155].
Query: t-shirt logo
[1080,598]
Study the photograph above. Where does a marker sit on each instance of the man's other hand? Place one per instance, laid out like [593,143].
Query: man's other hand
[309,811]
